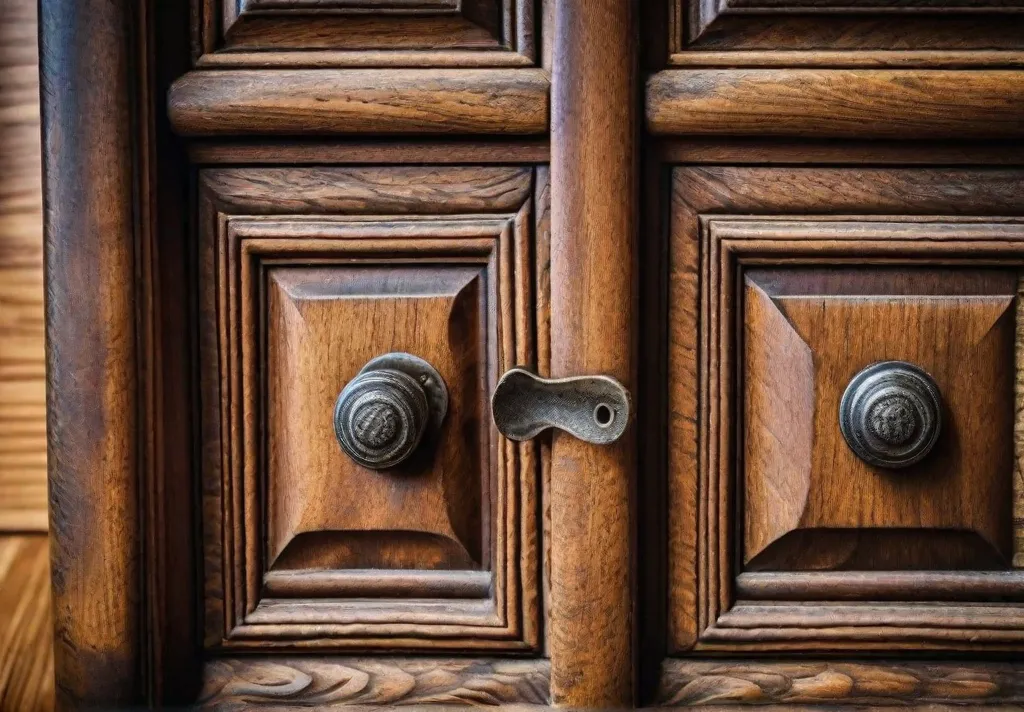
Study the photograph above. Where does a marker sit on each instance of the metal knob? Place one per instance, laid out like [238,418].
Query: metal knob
[383,414]
[591,408]
[891,414]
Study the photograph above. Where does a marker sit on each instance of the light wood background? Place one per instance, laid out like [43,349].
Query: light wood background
[22,370]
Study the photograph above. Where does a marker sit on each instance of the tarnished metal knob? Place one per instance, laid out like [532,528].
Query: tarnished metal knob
[383,414]
[891,414]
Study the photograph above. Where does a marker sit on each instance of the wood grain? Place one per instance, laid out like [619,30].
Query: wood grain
[836,103]
[360,683]
[26,632]
[699,683]
[92,383]
[593,239]
[22,361]
[385,101]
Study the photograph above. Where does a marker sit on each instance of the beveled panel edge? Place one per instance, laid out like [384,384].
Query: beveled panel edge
[836,103]
[350,102]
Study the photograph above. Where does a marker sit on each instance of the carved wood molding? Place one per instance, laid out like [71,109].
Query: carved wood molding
[304,683]
[686,683]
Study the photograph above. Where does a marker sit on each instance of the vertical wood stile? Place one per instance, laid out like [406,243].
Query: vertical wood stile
[594,206]
[89,149]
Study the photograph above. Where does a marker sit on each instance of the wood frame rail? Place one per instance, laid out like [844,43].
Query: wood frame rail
[360,101]
[836,103]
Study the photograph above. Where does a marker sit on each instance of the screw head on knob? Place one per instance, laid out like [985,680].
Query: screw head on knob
[891,414]
[382,414]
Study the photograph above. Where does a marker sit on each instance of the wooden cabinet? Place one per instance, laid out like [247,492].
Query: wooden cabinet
[293,248]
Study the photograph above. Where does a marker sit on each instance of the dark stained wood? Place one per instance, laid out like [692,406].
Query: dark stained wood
[699,683]
[593,237]
[836,103]
[359,683]
[26,633]
[384,101]
[89,145]
[755,151]
[22,358]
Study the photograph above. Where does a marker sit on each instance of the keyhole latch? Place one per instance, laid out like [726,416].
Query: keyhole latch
[592,408]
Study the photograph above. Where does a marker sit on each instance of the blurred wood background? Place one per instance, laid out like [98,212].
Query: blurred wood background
[22,369]
[26,634]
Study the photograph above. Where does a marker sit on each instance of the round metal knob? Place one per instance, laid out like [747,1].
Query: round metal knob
[891,414]
[383,414]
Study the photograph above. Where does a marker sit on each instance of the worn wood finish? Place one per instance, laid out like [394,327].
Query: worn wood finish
[401,152]
[26,634]
[436,260]
[89,145]
[22,361]
[371,683]
[895,685]
[593,224]
[384,101]
[836,103]
[713,253]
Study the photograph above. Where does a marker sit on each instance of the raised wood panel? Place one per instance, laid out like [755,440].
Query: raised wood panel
[939,244]
[23,504]
[809,503]
[308,274]
[921,33]
[374,33]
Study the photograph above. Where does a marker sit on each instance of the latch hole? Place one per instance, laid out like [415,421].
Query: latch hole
[604,415]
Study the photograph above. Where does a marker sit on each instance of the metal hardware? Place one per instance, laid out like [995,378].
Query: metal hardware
[591,408]
[891,414]
[382,414]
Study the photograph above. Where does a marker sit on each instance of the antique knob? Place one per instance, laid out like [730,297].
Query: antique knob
[591,408]
[383,414]
[891,414]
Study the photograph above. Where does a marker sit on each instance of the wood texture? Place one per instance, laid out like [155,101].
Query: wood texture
[593,238]
[385,101]
[703,320]
[836,103]
[22,360]
[361,262]
[354,683]
[90,182]
[882,685]
[26,633]
[370,33]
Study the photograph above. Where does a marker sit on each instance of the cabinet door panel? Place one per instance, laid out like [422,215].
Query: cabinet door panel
[306,276]
[786,283]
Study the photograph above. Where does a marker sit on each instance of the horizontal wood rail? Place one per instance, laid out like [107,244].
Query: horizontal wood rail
[380,101]
[837,103]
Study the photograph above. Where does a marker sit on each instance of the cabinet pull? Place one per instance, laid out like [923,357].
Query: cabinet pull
[383,413]
[891,414]
[592,408]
